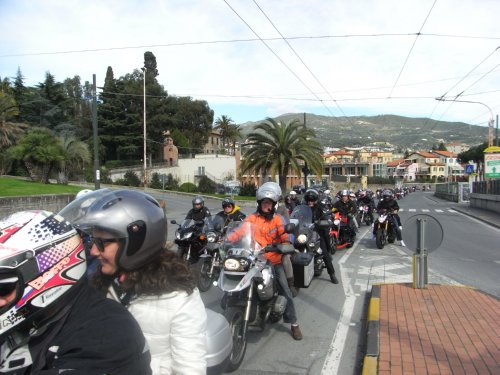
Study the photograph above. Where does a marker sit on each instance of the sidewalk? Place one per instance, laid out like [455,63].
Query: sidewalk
[442,329]
[489,217]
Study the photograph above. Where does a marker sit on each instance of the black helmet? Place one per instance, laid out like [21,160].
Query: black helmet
[387,195]
[198,200]
[42,266]
[134,218]
[228,202]
[311,195]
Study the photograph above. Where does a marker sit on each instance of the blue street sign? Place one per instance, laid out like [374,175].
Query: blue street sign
[469,168]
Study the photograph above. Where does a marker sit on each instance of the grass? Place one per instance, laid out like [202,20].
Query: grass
[13,187]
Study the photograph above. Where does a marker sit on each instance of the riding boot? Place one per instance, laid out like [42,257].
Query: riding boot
[291,285]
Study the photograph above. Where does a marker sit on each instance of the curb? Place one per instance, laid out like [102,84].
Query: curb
[475,216]
[370,362]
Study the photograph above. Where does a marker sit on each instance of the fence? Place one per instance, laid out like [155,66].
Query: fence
[486,187]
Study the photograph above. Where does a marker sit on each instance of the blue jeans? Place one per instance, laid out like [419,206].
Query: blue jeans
[290,313]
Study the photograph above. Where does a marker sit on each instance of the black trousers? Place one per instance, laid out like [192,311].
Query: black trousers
[324,242]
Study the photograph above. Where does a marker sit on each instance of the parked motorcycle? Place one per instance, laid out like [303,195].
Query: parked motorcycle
[340,234]
[307,242]
[385,230]
[190,239]
[209,265]
[364,215]
[250,287]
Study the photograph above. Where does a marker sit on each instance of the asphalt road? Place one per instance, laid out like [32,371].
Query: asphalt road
[332,317]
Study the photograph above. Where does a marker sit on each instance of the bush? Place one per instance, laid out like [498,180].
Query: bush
[188,187]
[171,183]
[206,185]
[248,190]
[155,181]
[131,179]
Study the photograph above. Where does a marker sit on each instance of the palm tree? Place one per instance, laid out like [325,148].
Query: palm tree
[278,147]
[10,132]
[225,125]
[40,152]
[77,155]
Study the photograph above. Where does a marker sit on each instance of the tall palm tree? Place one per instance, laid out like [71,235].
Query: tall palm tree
[277,147]
[225,125]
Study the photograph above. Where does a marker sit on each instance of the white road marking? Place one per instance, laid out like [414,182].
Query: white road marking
[412,210]
[334,353]
[425,210]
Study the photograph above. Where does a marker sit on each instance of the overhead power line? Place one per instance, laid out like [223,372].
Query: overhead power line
[279,58]
[411,49]
[207,42]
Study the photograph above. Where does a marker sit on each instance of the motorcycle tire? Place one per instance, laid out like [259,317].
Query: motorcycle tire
[333,246]
[368,221]
[204,280]
[235,317]
[380,238]
[318,267]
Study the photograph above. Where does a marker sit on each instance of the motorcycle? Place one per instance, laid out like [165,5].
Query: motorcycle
[340,233]
[209,265]
[385,230]
[249,285]
[190,239]
[364,215]
[307,242]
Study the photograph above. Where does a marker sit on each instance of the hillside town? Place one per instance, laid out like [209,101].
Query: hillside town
[340,165]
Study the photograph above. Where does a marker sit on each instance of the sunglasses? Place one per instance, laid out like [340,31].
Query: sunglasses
[101,243]
[7,286]
[227,205]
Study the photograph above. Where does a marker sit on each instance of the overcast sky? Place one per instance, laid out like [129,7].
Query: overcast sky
[340,57]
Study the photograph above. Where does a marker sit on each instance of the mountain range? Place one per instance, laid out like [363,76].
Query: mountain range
[386,131]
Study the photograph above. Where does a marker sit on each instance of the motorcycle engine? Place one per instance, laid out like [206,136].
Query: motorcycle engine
[265,290]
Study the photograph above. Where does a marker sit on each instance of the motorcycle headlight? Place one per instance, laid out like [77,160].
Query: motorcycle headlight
[211,237]
[231,264]
[381,219]
[188,235]
[177,236]
[239,265]
[302,238]
[336,222]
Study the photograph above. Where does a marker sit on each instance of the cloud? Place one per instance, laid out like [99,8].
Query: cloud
[363,54]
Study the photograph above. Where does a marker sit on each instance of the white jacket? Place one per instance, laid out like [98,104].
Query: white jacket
[175,326]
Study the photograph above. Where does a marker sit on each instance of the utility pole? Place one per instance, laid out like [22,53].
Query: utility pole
[305,169]
[144,120]
[97,172]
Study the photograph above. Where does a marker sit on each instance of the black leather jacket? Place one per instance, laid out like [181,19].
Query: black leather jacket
[93,336]
[197,215]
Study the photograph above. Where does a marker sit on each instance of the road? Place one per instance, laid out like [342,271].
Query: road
[332,317]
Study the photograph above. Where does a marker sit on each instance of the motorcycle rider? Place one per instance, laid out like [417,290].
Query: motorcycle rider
[346,207]
[230,212]
[270,229]
[199,211]
[53,321]
[365,199]
[154,284]
[388,203]
[311,197]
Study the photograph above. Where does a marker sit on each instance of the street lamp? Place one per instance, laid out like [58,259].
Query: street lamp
[144,106]
[490,123]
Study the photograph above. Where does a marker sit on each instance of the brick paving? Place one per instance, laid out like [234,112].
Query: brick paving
[441,330]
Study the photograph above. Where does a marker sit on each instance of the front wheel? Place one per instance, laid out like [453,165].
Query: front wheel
[203,273]
[235,317]
[380,238]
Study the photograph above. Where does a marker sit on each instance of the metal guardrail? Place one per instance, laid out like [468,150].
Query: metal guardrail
[486,187]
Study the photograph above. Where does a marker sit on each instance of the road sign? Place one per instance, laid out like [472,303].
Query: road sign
[491,165]
[412,231]
[469,169]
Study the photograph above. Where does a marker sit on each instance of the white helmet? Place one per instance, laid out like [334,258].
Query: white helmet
[81,193]
[269,190]
[327,192]
[293,193]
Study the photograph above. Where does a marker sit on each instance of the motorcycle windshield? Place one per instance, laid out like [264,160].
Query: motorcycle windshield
[214,224]
[241,235]
[303,214]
